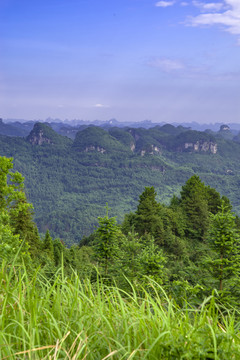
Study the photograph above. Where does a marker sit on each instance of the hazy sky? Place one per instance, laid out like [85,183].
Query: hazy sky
[125,59]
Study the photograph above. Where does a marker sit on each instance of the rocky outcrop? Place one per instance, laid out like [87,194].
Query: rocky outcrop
[39,139]
[224,128]
[201,146]
[151,150]
[133,146]
[95,148]
[43,134]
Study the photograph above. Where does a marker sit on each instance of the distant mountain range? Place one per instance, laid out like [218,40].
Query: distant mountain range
[72,171]
[14,127]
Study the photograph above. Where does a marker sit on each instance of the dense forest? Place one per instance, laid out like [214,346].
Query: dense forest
[163,284]
[69,181]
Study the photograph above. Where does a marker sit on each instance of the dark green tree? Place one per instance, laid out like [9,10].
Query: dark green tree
[85,266]
[195,207]
[130,248]
[152,261]
[213,198]
[106,241]
[224,239]
[47,246]
[58,252]
[148,215]
[21,218]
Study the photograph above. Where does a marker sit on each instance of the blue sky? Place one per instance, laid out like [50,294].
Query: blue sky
[171,61]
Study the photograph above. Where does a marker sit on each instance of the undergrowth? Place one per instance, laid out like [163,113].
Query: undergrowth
[65,318]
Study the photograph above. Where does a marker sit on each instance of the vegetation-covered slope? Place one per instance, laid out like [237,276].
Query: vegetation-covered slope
[69,182]
[163,285]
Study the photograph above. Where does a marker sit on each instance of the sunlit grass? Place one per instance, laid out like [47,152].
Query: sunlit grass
[69,319]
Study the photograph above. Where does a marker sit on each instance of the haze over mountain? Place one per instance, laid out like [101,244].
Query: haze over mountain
[21,127]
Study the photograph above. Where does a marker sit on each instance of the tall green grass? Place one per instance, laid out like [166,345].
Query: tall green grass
[64,318]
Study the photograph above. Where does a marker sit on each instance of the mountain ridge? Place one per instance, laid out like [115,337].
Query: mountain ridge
[71,180]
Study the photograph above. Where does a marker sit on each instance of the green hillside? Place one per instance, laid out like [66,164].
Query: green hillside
[167,276]
[96,139]
[69,182]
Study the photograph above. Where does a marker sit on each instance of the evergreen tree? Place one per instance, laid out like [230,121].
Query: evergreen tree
[148,215]
[214,200]
[106,241]
[131,247]
[195,207]
[225,241]
[152,261]
[47,246]
[84,262]
[58,250]
[141,257]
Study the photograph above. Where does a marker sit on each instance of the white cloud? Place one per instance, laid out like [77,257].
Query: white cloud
[165,3]
[184,3]
[229,17]
[208,6]
[100,106]
[180,68]
[166,64]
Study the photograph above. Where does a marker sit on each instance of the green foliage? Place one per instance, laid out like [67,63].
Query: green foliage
[43,134]
[21,219]
[225,241]
[140,257]
[12,204]
[96,139]
[42,319]
[192,136]
[195,206]
[152,261]
[65,308]
[148,220]
[106,241]
[58,249]
[10,243]
[123,136]
[47,246]
[130,249]
[69,187]
[214,200]
[85,264]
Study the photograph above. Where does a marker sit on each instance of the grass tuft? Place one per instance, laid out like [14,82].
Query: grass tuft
[64,318]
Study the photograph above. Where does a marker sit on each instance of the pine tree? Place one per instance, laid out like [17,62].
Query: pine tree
[131,247]
[152,261]
[195,207]
[225,241]
[148,215]
[47,246]
[58,251]
[106,241]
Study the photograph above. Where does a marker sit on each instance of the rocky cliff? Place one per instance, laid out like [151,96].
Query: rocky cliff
[43,134]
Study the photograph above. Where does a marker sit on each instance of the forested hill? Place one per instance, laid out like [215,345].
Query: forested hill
[69,181]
